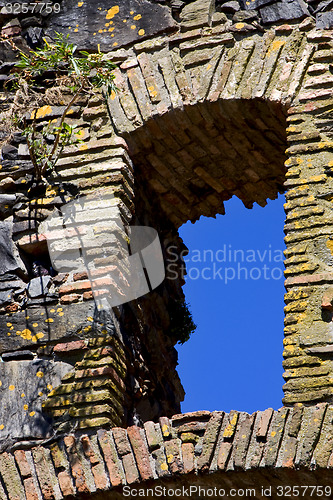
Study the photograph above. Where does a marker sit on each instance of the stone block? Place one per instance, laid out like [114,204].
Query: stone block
[283,11]
[198,13]
[143,19]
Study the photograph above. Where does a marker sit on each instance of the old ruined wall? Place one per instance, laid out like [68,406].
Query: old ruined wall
[213,101]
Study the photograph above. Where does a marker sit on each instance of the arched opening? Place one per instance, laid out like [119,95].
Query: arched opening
[188,162]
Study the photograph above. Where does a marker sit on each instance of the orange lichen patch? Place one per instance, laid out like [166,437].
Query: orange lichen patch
[2,427]
[124,20]
[40,374]
[0,383]
[25,407]
[32,413]
[115,43]
[49,387]
[100,31]
[9,324]
[111,29]
[131,12]
[239,26]
[35,325]
[40,393]
[112,12]
[276,45]
[61,314]
[90,319]
[22,395]
[137,17]
[49,320]
[329,244]
[79,4]
[41,112]
[83,147]
[141,32]
[26,334]
[11,387]
[52,310]
[112,95]
[133,27]
[76,30]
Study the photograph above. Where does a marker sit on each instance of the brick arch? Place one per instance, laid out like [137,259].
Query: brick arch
[263,102]
[195,108]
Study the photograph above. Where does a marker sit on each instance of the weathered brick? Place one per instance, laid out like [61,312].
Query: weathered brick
[97,467]
[30,489]
[121,440]
[188,457]
[77,345]
[153,435]
[110,457]
[76,466]
[209,440]
[173,455]
[130,468]
[140,452]
[44,473]
[11,477]
[22,463]
[66,483]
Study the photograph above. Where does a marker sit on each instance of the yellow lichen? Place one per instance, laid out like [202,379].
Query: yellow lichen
[112,12]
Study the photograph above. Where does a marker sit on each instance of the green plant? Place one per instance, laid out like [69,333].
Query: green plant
[181,322]
[54,67]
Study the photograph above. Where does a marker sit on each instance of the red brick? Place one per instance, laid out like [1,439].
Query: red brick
[88,296]
[30,489]
[188,457]
[121,440]
[77,345]
[264,423]
[140,452]
[194,415]
[110,457]
[80,276]
[22,463]
[97,469]
[66,483]
[131,471]
[77,469]
[165,427]
[100,372]
[12,307]
[43,473]
[80,286]
[172,451]
[88,451]
[10,31]
[70,299]
[223,455]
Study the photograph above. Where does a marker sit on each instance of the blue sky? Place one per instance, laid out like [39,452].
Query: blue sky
[233,361]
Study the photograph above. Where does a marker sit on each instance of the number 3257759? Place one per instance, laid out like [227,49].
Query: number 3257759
[32,7]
